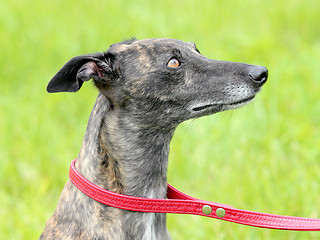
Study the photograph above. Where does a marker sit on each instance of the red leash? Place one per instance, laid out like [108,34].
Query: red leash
[181,203]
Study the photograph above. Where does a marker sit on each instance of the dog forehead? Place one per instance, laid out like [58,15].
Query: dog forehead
[154,44]
[164,44]
[159,42]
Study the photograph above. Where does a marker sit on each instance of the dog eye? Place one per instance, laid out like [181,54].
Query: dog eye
[173,63]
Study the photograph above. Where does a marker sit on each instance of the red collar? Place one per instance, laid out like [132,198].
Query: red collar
[181,203]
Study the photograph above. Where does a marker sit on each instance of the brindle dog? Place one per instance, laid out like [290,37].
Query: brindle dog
[147,88]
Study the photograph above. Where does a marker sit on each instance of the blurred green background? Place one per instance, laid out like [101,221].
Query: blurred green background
[263,157]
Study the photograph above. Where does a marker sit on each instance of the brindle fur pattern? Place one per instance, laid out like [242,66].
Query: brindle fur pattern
[126,145]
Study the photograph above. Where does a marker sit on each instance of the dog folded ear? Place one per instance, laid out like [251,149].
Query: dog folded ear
[77,71]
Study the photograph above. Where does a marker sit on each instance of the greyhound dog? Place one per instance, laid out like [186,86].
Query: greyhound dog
[146,88]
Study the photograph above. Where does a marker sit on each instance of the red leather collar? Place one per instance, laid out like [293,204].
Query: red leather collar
[181,203]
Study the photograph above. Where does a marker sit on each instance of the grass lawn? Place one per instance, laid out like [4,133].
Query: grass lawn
[263,157]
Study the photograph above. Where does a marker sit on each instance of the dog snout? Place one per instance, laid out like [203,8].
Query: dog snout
[258,74]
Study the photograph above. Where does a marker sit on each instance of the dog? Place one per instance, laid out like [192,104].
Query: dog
[146,88]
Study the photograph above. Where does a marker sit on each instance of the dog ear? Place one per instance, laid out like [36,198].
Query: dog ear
[79,70]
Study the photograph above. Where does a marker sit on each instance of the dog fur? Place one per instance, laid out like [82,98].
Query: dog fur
[142,99]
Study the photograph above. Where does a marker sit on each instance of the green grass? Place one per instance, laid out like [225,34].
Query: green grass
[263,157]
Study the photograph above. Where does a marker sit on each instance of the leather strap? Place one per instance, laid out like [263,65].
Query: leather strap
[181,203]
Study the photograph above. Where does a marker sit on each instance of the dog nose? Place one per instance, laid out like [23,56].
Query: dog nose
[259,74]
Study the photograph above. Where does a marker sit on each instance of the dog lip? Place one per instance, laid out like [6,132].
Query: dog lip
[241,101]
[200,108]
[218,104]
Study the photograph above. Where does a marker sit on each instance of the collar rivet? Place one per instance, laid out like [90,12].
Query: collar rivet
[220,212]
[206,209]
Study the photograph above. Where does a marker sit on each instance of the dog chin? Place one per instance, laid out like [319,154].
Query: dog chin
[211,108]
[237,104]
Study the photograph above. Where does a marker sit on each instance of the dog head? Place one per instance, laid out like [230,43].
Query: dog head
[167,79]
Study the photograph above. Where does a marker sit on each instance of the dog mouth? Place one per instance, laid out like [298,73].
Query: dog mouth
[222,106]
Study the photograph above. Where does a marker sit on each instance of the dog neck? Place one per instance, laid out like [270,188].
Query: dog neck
[122,155]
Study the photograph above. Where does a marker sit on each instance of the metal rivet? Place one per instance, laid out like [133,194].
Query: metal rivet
[220,212]
[206,209]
